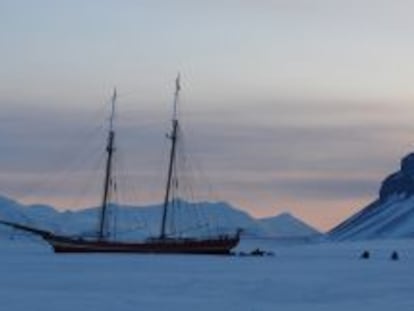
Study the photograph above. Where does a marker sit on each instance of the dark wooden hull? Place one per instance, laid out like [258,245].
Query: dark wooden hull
[221,245]
[215,246]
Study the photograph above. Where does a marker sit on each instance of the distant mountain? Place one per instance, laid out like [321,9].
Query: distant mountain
[389,216]
[286,225]
[131,222]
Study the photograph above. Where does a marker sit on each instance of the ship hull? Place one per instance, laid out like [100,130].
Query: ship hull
[219,246]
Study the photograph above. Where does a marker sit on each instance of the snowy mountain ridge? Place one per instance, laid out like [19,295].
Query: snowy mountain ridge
[286,225]
[131,222]
[389,216]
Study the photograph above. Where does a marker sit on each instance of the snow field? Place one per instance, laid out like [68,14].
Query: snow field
[325,276]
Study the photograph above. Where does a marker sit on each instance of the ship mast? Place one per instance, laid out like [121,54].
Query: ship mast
[108,172]
[173,137]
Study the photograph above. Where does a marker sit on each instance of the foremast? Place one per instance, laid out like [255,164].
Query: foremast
[173,137]
[103,226]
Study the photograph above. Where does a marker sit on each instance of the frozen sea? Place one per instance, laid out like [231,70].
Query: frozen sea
[318,276]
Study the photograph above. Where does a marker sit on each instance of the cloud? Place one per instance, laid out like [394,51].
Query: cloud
[321,153]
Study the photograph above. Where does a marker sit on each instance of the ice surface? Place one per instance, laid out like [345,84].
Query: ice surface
[325,276]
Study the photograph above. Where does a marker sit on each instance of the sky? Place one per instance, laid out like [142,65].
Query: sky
[302,106]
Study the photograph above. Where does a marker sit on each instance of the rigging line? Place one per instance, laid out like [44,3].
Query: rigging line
[125,184]
[47,180]
[55,184]
[202,179]
[133,189]
[113,204]
[28,219]
[107,191]
[45,175]
[183,180]
[171,210]
[172,159]
[178,185]
[198,173]
[178,195]
[190,180]
[190,229]
[194,184]
[132,229]
[123,189]
[52,180]
[119,177]
[90,183]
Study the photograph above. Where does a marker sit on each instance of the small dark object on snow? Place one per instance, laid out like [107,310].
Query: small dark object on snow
[257,252]
[395,256]
[365,255]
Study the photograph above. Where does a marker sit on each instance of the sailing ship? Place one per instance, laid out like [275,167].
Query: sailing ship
[163,243]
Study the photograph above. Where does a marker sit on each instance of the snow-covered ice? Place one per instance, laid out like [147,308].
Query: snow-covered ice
[324,276]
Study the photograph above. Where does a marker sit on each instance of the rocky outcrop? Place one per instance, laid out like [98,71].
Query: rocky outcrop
[401,182]
[389,216]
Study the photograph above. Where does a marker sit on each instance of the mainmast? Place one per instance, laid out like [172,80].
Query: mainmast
[173,138]
[108,172]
